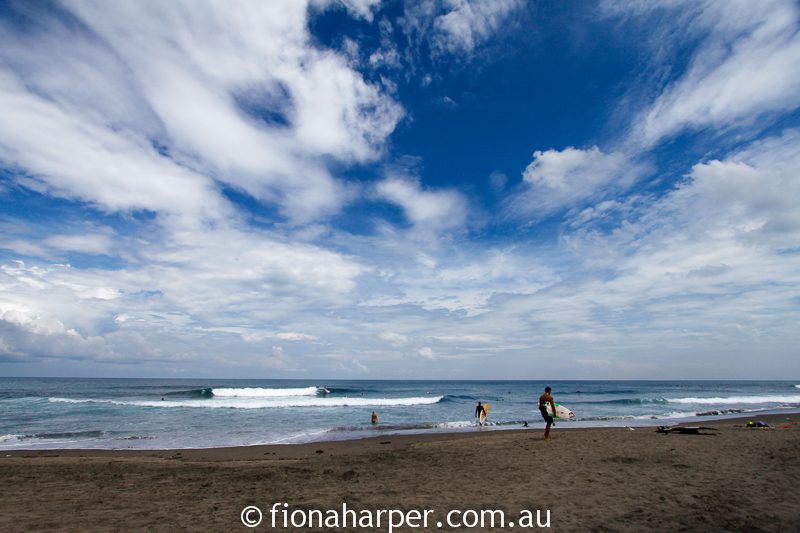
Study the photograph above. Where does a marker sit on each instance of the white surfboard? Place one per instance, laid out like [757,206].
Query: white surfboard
[562,413]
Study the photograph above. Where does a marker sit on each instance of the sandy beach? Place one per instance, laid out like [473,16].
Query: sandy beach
[731,479]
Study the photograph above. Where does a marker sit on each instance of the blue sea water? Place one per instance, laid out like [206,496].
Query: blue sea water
[48,413]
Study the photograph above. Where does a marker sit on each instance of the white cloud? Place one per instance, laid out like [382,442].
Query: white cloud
[751,195]
[185,286]
[97,243]
[251,334]
[395,339]
[153,108]
[239,96]
[361,8]
[429,210]
[443,29]
[426,352]
[69,155]
[747,65]
[468,23]
[558,179]
[715,255]
[460,281]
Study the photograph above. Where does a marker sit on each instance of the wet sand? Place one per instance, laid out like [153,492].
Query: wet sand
[616,479]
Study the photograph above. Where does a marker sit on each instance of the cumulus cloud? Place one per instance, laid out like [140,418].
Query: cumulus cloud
[703,257]
[752,195]
[54,311]
[560,179]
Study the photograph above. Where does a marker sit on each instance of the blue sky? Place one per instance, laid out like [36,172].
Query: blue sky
[365,189]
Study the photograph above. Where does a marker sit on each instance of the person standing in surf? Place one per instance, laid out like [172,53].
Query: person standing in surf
[479,409]
[544,399]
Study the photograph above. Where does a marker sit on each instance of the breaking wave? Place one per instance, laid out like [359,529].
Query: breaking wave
[731,400]
[268,402]
[257,392]
[247,392]
[793,399]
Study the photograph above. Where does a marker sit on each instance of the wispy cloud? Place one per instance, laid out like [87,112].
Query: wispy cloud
[746,64]
[467,23]
[127,108]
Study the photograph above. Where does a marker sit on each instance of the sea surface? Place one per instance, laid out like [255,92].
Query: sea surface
[48,413]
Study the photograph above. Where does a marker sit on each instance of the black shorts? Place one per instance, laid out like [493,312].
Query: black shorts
[547,418]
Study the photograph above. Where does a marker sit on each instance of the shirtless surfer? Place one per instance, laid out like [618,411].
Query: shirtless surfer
[544,399]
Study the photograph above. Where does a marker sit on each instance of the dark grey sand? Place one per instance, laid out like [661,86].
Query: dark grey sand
[737,479]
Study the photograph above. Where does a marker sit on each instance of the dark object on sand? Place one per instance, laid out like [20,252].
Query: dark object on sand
[758,424]
[685,430]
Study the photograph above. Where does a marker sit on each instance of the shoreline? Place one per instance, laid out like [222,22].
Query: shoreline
[302,449]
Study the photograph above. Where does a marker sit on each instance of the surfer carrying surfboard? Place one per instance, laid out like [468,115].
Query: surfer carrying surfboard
[544,399]
[480,412]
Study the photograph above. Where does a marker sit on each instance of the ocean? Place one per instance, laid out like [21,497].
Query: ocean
[52,413]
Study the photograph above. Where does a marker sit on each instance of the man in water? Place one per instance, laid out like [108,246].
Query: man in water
[544,399]
[478,410]
[374,418]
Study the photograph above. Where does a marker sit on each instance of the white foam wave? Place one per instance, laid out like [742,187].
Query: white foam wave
[257,392]
[673,414]
[10,438]
[271,403]
[305,436]
[738,400]
[651,416]
[457,424]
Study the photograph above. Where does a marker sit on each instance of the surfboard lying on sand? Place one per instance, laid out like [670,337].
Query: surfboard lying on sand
[482,418]
[562,413]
